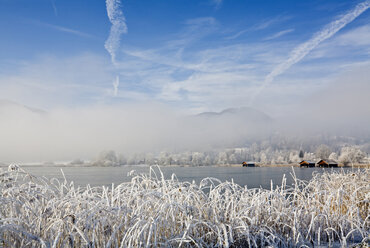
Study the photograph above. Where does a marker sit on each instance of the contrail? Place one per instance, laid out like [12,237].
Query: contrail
[54,7]
[217,3]
[303,49]
[64,29]
[118,27]
[115,86]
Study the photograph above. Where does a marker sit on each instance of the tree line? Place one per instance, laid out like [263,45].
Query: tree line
[257,153]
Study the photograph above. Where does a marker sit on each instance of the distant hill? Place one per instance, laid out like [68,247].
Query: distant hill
[7,107]
[244,113]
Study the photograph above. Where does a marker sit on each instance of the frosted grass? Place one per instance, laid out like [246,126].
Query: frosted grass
[152,211]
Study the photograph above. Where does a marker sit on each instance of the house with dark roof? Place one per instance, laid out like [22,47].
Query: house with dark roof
[327,163]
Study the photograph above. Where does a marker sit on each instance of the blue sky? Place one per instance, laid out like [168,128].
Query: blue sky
[191,55]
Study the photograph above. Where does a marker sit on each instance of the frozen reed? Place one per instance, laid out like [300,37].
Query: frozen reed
[152,211]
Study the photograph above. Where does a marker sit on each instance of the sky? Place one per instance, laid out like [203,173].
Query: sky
[185,56]
[194,55]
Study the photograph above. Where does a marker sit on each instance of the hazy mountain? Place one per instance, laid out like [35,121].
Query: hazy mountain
[10,107]
[244,113]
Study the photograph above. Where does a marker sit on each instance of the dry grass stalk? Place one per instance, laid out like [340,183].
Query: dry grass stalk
[151,211]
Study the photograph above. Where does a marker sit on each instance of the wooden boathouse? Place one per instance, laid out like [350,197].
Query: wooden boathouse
[305,163]
[327,163]
[249,164]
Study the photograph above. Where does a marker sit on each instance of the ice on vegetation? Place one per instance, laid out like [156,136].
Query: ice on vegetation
[13,167]
[152,211]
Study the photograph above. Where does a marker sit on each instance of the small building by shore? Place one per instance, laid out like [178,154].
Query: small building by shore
[249,164]
[305,163]
[327,163]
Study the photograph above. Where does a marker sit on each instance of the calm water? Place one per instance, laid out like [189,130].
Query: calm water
[252,177]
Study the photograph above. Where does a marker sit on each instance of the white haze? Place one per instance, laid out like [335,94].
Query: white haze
[30,135]
[67,134]
[341,108]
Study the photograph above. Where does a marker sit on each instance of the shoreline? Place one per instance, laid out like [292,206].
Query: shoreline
[362,166]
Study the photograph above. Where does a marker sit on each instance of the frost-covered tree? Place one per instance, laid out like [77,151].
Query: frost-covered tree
[333,156]
[106,158]
[280,160]
[293,157]
[263,158]
[185,158]
[208,160]
[351,155]
[150,159]
[323,152]
[198,159]
[309,156]
[132,160]
[222,158]
[232,159]
[77,162]
[165,158]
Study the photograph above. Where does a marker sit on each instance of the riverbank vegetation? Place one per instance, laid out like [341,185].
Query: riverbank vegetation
[152,211]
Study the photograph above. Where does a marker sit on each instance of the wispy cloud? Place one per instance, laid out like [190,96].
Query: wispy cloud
[261,26]
[195,29]
[118,27]
[358,37]
[65,29]
[270,22]
[217,3]
[201,75]
[198,79]
[279,34]
[200,22]
[354,42]
[187,73]
[237,34]
[49,81]
[302,50]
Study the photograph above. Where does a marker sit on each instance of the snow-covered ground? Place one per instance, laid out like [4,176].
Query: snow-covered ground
[151,211]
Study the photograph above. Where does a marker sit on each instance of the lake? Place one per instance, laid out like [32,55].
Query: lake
[252,177]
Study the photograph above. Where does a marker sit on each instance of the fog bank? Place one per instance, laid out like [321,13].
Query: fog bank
[33,135]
